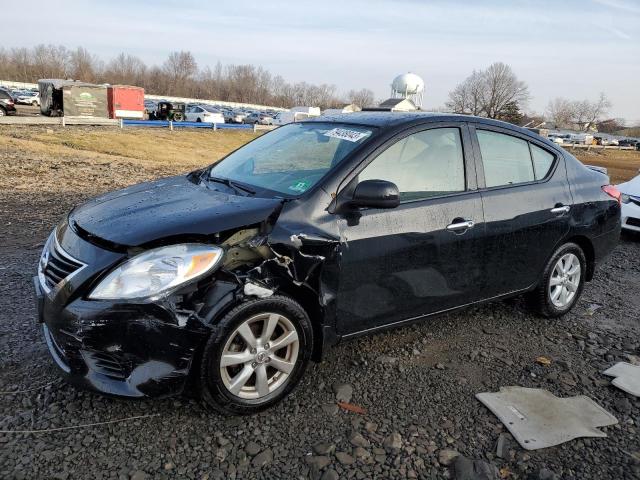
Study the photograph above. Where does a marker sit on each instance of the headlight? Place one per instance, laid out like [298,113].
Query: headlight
[157,271]
[624,198]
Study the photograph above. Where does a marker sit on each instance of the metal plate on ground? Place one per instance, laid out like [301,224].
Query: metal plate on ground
[538,419]
[627,377]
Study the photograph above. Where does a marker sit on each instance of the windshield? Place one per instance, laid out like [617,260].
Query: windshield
[292,158]
[210,109]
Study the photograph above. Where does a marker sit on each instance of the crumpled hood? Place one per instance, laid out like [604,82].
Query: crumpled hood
[170,207]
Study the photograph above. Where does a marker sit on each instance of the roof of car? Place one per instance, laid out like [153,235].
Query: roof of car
[397,119]
[389,119]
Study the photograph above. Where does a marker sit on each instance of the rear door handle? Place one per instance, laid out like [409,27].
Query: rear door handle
[562,209]
[455,227]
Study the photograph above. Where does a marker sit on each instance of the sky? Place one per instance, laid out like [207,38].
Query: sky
[571,49]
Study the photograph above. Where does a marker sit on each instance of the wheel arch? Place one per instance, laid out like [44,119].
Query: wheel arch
[589,252]
[308,300]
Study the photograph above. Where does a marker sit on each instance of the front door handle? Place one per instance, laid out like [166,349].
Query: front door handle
[561,209]
[457,226]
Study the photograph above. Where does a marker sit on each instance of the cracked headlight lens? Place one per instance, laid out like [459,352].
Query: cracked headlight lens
[157,271]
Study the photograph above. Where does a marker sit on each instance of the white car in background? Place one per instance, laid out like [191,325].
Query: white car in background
[203,113]
[631,204]
[32,98]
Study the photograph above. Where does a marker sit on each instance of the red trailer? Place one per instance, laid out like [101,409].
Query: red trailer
[125,101]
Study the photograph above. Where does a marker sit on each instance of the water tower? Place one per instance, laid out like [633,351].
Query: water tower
[408,85]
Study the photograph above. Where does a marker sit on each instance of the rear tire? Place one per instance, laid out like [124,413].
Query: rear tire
[253,378]
[561,284]
[2,112]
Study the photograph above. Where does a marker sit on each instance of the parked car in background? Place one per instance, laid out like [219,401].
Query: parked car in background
[237,274]
[258,118]
[150,106]
[7,105]
[203,113]
[627,142]
[605,141]
[232,116]
[631,204]
[30,98]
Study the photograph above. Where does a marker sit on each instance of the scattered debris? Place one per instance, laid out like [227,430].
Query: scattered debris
[256,290]
[538,419]
[467,469]
[503,446]
[350,407]
[343,392]
[627,377]
[542,360]
[592,308]
[504,472]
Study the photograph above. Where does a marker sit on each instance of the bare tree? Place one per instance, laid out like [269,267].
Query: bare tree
[126,69]
[178,75]
[83,65]
[363,97]
[611,125]
[490,93]
[561,112]
[467,97]
[594,111]
[582,114]
[179,67]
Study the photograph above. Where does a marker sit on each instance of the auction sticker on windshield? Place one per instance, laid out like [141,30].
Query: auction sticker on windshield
[299,186]
[346,134]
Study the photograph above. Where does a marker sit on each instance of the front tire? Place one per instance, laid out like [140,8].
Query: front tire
[562,282]
[256,355]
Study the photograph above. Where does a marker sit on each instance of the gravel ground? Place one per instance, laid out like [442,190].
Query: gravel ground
[417,384]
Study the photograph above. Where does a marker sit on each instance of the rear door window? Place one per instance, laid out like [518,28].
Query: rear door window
[506,159]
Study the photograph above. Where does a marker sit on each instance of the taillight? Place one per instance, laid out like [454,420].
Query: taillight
[612,192]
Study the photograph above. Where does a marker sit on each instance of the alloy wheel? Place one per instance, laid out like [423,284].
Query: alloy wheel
[565,280]
[259,356]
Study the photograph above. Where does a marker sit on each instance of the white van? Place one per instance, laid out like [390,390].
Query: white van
[296,114]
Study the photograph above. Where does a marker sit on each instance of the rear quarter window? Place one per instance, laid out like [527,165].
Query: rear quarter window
[542,161]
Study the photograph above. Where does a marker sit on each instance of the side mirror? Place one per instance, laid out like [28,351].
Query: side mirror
[376,194]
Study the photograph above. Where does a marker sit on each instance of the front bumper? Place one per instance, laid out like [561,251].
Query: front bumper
[122,349]
[631,216]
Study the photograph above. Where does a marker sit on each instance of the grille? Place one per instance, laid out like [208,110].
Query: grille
[634,222]
[56,264]
[110,365]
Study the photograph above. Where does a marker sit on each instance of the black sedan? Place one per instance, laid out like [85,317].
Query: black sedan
[231,278]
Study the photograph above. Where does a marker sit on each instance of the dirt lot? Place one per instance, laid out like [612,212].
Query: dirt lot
[418,382]
[622,165]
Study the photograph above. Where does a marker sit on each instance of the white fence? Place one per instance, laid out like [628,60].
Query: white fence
[582,146]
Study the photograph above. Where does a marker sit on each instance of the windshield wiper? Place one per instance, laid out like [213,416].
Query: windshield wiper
[235,186]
